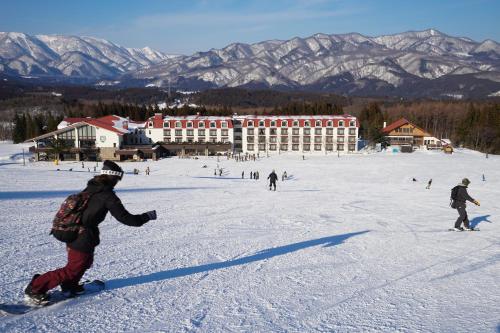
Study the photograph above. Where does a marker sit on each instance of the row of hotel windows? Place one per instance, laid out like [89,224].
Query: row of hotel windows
[305,139]
[201,132]
[307,123]
[296,147]
[199,140]
[189,124]
[305,131]
[284,123]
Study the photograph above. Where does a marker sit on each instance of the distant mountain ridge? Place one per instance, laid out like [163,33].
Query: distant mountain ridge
[425,63]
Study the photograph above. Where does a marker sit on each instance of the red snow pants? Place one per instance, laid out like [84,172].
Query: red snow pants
[69,275]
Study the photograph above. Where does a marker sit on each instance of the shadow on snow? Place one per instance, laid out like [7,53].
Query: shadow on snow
[14,195]
[262,255]
[475,221]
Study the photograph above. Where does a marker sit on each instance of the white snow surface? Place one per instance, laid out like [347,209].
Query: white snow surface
[348,244]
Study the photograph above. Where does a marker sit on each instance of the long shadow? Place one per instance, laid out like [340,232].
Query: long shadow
[475,221]
[15,195]
[261,255]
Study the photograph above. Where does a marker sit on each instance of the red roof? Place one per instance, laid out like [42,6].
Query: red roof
[74,120]
[98,123]
[394,125]
[108,119]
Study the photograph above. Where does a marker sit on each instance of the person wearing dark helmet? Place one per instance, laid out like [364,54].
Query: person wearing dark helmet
[81,251]
[459,197]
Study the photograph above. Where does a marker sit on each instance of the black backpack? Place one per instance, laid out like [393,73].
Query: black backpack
[453,196]
[67,224]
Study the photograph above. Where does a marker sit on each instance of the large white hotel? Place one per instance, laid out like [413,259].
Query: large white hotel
[118,138]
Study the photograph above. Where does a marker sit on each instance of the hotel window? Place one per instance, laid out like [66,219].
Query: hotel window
[273,131]
[340,131]
[250,138]
[340,147]
[190,132]
[352,123]
[262,139]
[250,131]
[178,132]
[284,123]
[295,123]
[352,131]
[250,147]
[272,147]
[261,123]
[329,131]
[352,139]
[178,124]
[212,124]
[329,139]
[283,147]
[223,124]
[166,132]
[262,131]
[190,140]
[150,124]
[272,139]
[224,132]
[284,139]
[201,132]
[318,131]
[273,123]
[295,147]
[340,139]
[317,139]
[341,123]
[189,124]
[166,139]
[317,147]
[318,123]
[284,131]
[295,139]
[352,147]
[201,140]
[178,140]
[307,123]
[307,131]
[307,148]
[262,147]
[329,147]
[329,123]
[213,132]
[250,124]
[307,139]
[295,131]
[201,124]
[166,124]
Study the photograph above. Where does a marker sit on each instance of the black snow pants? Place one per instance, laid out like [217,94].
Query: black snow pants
[462,216]
[272,183]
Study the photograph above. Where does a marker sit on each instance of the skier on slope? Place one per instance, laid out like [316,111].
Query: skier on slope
[273,177]
[459,197]
[81,251]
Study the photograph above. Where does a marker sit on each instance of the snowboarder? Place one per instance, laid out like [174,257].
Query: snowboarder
[429,184]
[243,175]
[220,172]
[459,196]
[284,176]
[147,170]
[81,251]
[251,174]
[257,175]
[273,177]
[484,178]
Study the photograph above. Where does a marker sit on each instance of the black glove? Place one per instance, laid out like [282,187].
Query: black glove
[151,214]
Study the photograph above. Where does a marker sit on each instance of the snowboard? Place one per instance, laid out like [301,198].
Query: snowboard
[475,229]
[91,287]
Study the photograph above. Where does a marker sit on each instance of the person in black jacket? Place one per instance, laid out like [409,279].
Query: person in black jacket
[81,251]
[459,203]
[273,177]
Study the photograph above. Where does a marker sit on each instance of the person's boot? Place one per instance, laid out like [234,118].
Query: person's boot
[458,229]
[72,291]
[33,297]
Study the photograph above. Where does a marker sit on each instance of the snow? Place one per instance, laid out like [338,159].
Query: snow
[348,244]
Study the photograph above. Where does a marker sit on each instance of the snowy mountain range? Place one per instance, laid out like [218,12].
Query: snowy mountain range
[418,63]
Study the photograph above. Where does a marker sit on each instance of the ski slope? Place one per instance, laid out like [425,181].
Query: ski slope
[348,244]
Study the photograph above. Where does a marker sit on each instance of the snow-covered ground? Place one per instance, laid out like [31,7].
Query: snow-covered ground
[348,244]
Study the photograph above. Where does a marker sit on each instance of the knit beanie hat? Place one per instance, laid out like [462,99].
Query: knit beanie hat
[112,169]
[465,182]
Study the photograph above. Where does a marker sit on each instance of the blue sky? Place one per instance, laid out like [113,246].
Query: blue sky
[184,26]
